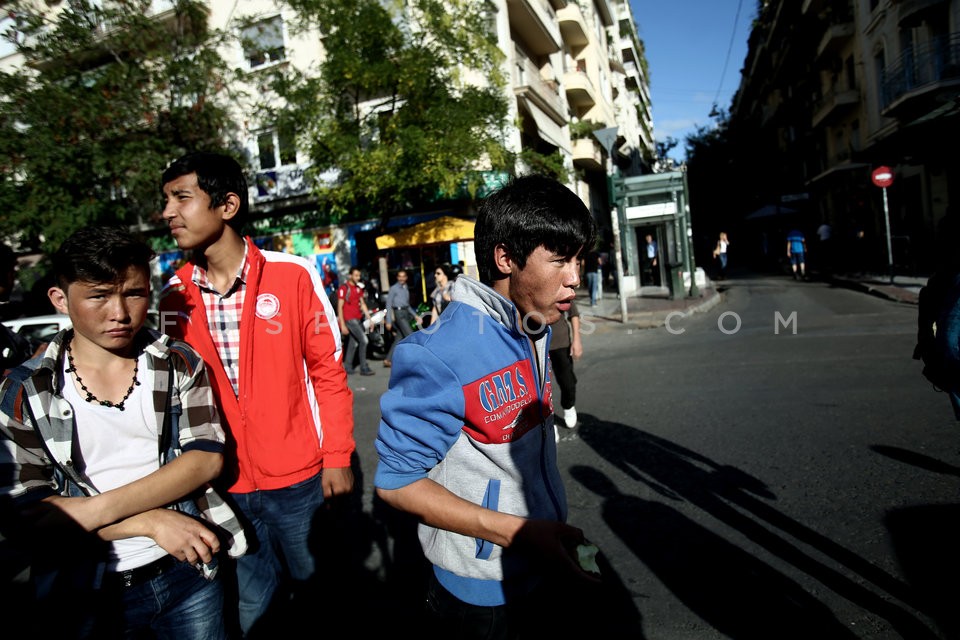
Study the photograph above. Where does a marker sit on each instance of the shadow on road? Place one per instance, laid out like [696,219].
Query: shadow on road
[734,591]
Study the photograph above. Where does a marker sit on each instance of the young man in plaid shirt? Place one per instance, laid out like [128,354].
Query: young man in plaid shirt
[114,431]
[269,335]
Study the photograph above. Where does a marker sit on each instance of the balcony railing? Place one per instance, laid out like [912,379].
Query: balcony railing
[527,80]
[921,67]
[586,154]
[834,103]
[580,92]
[573,28]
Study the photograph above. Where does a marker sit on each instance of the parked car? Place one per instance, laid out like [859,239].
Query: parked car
[38,330]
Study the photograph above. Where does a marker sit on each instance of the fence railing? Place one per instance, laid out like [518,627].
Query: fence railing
[919,66]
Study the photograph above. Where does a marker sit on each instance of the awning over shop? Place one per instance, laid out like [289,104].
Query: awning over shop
[547,129]
[439,231]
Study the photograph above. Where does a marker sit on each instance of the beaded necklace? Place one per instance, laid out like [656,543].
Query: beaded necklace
[92,398]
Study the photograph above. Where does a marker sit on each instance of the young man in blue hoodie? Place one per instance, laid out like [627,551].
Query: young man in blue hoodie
[466,439]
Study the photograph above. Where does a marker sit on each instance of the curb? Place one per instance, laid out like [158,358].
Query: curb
[886,291]
[639,319]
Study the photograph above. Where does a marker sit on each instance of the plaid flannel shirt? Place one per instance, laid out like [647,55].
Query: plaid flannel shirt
[36,419]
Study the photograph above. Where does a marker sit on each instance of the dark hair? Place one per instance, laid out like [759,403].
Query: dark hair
[217,175]
[528,212]
[447,270]
[99,255]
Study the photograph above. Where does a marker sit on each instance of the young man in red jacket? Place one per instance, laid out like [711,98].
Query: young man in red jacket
[270,339]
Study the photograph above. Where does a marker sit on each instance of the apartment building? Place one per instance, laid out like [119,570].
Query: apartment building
[831,90]
[572,65]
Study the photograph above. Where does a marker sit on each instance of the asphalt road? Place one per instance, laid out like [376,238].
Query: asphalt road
[776,467]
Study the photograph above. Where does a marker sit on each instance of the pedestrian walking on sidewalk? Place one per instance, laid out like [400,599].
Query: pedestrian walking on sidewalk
[400,314]
[352,311]
[565,348]
[269,337]
[593,269]
[796,252]
[720,253]
[105,508]
[466,437]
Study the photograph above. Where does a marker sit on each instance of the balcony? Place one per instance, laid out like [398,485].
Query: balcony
[534,24]
[834,105]
[633,74]
[530,85]
[587,155]
[913,11]
[836,36]
[922,79]
[604,12]
[573,28]
[628,49]
[580,91]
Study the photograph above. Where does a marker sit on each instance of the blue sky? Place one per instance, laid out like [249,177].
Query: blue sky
[686,45]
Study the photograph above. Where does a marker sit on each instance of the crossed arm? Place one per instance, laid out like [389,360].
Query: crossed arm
[137,509]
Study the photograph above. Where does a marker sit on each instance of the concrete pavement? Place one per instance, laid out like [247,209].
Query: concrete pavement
[651,307]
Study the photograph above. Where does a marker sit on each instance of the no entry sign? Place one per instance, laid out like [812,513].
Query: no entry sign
[882,176]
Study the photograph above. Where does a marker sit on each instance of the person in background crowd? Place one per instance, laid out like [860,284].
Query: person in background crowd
[400,314]
[352,311]
[566,347]
[268,335]
[593,268]
[720,253]
[14,349]
[85,460]
[442,292]
[650,261]
[796,252]
[466,439]
[825,247]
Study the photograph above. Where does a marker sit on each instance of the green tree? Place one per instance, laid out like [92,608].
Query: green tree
[396,112]
[106,97]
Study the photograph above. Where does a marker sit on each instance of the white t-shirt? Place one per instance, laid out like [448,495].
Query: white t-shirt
[112,448]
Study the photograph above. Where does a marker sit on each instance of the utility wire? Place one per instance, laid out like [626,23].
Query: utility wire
[736,21]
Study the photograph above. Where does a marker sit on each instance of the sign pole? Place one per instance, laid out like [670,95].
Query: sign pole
[886,218]
[607,138]
[882,177]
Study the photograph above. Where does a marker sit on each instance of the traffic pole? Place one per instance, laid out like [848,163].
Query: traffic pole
[882,177]
[886,218]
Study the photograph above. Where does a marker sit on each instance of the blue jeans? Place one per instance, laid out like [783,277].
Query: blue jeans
[177,604]
[281,520]
[593,284]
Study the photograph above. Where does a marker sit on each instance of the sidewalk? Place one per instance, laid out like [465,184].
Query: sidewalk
[651,309]
[904,289]
[644,312]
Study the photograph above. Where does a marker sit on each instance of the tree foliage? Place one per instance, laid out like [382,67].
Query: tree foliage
[106,98]
[408,106]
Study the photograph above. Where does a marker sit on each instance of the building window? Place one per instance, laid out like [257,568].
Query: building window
[263,42]
[275,149]
[878,69]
